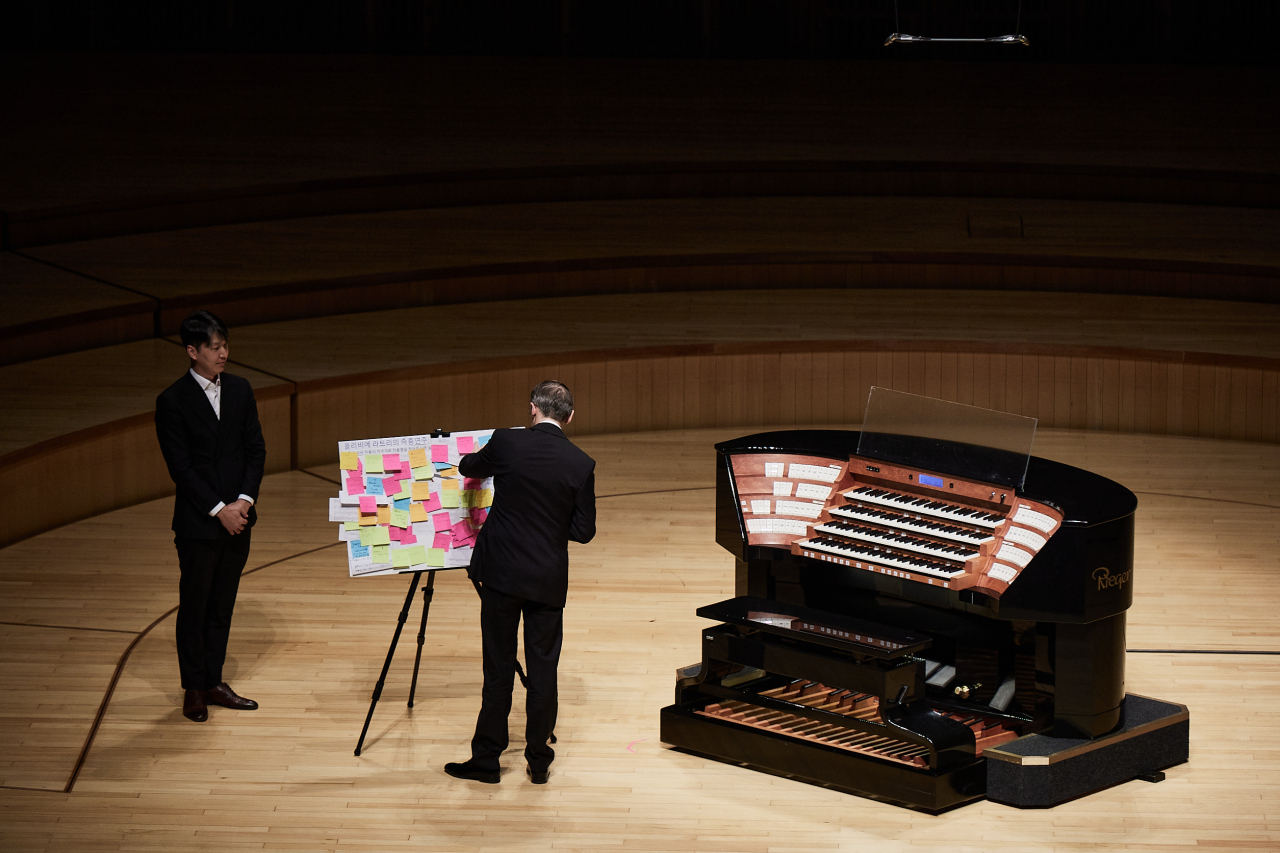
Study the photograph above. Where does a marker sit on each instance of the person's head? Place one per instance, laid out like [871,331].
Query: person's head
[551,399]
[205,337]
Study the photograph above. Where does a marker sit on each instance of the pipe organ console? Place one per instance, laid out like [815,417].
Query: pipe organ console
[918,634]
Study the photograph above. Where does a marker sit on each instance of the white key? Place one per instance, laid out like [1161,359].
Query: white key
[968,537]
[880,558]
[919,547]
[907,504]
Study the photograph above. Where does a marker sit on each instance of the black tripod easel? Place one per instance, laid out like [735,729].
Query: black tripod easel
[428,592]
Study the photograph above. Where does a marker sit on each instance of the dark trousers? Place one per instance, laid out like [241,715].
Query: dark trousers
[543,633]
[206,598]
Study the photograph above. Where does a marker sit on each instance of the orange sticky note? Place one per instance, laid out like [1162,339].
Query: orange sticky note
[417,512]
[421,491]
[384,515]
[417,457]
[368,520]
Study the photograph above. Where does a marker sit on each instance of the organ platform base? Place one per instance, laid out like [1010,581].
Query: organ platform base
[1038,771]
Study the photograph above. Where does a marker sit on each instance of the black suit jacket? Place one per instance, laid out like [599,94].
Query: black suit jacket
[210,459]
[544,495]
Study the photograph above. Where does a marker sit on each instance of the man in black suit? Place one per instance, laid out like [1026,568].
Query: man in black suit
[207,423]
[544,496]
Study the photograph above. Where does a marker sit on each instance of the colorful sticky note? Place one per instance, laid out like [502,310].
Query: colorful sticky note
[390,485]
[478,516]
[391,462]
[401,504]
[348,461]
[441,466]
[435,557]
[355,485]
[417,512]
[441,521]
[375,486]
[462,530]
[394,532]
[400,518]
[368,503]
[439,453]
[372,463]
[426,472]
[404,473]
[350,526]
[399,559]
[421,491]
[358,551]
[416,555]
[484,439]
[486,498]
[449,499]
[381,553]
[442,540]
[449,484]
[466,444]
[375,536]
[408,537]
[368,519]
[433,503]
[417,457]
[384,515]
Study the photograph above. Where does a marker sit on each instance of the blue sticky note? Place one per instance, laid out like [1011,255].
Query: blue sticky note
[442,466]
[358,550]
[374,487]
[482,441]
[402,504]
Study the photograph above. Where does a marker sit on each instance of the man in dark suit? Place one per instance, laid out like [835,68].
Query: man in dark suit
[207,423]
[544,496]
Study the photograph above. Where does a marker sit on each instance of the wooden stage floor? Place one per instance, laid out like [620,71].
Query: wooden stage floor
[308,644]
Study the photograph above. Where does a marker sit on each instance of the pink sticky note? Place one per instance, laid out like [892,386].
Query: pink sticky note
[433,503]
[442,540]
[439,453]
[368,503]
[404,473]
[478,515]
[471,484]
[395,534]
[391,485]
[391,461]
[355,485]
[461,531]
[359,465]
[407,536]
[466,444]
[441,521]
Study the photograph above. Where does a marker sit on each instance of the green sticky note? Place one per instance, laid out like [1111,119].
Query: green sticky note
[417,555]
[381,553]
[373,464]
[404,494]
[376,535]
[449,498]
[400,558]
[350,525]
[435,557]
[426,472]
[400,518]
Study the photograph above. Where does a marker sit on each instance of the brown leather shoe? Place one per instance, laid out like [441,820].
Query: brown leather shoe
[225,697]
[193,706]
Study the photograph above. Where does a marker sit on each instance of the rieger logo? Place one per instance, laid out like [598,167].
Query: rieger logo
[1105,579]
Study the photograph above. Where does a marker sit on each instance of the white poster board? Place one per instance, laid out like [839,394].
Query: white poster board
[403,506]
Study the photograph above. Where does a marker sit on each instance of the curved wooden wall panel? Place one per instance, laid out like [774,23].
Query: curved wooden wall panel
[750,386]
[639,181]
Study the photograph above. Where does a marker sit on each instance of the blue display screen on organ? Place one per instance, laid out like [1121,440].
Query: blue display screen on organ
[930,480]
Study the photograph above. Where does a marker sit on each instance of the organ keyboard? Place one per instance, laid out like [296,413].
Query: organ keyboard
[899,624]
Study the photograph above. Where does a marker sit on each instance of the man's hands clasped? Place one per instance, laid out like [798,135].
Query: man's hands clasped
[234,516]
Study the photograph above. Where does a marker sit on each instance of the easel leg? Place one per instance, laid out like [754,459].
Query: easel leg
[428,592]
[386,666]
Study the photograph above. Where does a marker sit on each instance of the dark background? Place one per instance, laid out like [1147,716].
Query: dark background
[1188,32]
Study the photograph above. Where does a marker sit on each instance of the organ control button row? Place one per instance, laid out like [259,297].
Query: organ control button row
[871,554]
[897,540]
[913,503]
[785,526]
[919,525]
[1022,536]
[1038,520]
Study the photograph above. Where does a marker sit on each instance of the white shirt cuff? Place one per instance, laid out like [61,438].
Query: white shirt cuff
[247,499]
[217,509]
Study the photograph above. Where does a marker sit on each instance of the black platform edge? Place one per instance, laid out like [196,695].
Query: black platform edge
[820,765]
[1037,771]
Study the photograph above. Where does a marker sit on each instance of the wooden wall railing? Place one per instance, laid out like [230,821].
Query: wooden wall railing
[649,274]
[751,386]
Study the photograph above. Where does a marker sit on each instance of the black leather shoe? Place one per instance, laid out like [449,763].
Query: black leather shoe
[467,770]
[193,706]
[539,777]
[224,696]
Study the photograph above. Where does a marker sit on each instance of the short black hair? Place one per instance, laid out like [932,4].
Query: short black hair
[553,399]
[198,329]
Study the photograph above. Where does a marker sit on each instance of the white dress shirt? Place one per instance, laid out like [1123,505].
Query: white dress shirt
[212,389]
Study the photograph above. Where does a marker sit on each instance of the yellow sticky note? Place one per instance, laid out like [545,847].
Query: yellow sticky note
[384,515]
[426,472]
[367,520]
[417,512]
[373,463]
[449,484]
[435,557]
[400,518]
[375,536]
[416,555]
[400,559]
[349,461]
[417,458]
[449,499]
[486,497]
[421,491]
[350,525]
[380,553]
